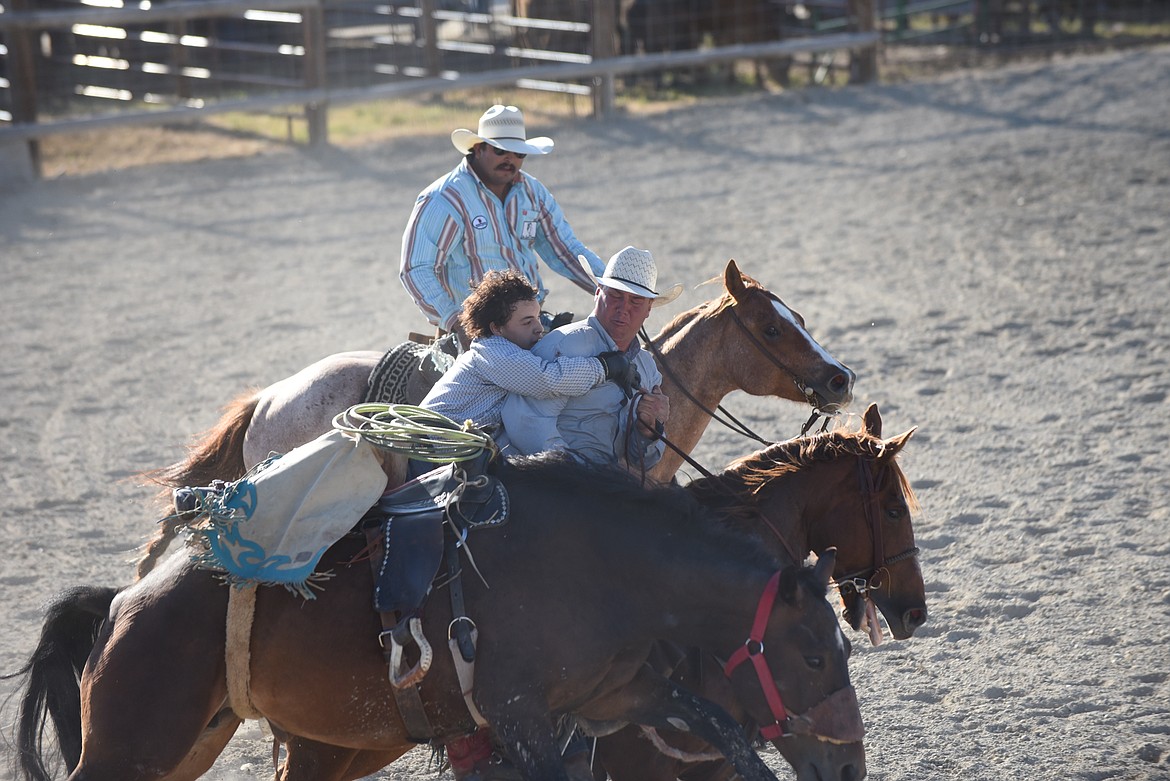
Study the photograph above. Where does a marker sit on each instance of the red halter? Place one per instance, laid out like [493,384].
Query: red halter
[835,719]
[753,649]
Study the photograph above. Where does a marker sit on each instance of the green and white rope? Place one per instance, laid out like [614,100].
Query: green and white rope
[415,432]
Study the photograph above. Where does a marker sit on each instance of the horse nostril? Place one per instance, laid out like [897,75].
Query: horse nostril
[850,773]
[841,383]
[914,618]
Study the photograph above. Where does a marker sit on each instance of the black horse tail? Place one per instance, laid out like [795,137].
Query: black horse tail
[53,672]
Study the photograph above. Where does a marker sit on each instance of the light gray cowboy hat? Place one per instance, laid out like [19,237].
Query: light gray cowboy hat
[503,128]
[633,270]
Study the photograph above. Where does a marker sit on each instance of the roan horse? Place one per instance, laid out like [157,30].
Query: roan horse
[791,497]
[747,339]
[590,570]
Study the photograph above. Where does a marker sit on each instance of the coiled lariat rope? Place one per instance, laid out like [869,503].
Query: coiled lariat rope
[415,432]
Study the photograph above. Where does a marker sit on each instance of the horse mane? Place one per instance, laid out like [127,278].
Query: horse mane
[745,477]
[709,308]
[668,505]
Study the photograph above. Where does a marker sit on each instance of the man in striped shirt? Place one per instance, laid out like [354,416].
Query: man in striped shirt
[503,320]
[487,215]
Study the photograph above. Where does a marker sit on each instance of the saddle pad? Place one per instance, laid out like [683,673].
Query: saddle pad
[273,525]
[389,382]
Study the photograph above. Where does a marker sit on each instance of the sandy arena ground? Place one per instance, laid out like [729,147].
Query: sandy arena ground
[990,251]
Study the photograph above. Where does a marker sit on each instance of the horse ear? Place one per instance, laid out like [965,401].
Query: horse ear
[873,421]
[733,281]
[826,562]
[789,585]
[891,447]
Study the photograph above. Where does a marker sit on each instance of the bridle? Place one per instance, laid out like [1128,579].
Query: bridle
[785,724]
[808,392]
[862,582]
[869,580]
[720,414]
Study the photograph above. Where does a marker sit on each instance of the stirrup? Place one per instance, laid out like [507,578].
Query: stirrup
[414,675]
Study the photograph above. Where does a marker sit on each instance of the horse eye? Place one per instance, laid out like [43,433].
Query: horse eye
[815,662]
[771,331]
[894,513]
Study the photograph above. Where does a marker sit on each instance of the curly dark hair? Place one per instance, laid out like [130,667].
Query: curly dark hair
[493,301]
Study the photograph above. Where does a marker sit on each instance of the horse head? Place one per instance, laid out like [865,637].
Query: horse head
[797,684]
[837,489]
[794,365]
[881,567]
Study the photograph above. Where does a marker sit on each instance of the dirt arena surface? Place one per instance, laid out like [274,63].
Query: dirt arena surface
[990,251]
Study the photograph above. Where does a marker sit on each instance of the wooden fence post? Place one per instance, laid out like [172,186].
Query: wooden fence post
[179,60]
[316,74]
[430,26]
[22,63]
[603,31]
[863,63]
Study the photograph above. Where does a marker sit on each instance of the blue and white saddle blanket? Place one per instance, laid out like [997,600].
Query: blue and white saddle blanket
[273,525]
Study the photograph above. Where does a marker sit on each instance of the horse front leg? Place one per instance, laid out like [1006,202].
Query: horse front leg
[654,701]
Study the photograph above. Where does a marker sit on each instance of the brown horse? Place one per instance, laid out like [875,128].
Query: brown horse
[792,497]
[588,573]
[840,490]
[877,561]
[747,339]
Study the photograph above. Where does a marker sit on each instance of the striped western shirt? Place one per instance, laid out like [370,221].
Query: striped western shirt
[459,230]
[476,386]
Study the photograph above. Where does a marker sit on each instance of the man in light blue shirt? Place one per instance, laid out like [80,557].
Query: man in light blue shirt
[503,320]
[602,425]
[487,215]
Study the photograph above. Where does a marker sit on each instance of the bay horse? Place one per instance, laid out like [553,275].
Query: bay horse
[746,339]
[841,490]
[804,490]
[588,573]
[792,497]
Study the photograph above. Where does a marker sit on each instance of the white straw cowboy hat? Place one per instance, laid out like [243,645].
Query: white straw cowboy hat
[633,271]
[503,128]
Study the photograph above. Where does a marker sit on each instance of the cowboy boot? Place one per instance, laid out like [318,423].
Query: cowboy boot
[474,757]
[467,752]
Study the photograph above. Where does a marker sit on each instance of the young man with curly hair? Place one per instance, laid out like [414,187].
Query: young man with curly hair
[502,319]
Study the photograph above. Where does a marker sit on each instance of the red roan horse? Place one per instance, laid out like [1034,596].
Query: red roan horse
[589,572]
[799,494]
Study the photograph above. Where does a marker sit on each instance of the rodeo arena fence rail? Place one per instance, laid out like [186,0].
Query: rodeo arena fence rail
[74,65]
